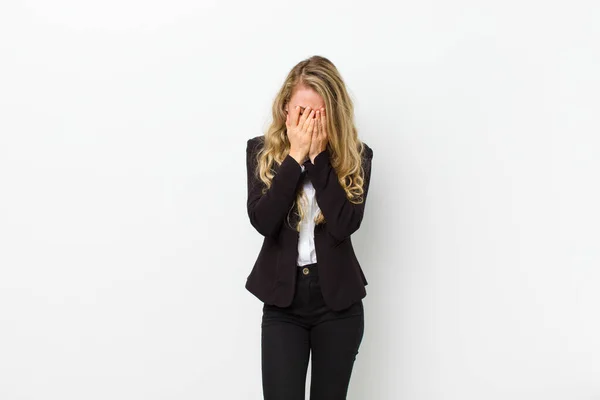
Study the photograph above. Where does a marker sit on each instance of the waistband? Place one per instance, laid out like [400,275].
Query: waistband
[308,270]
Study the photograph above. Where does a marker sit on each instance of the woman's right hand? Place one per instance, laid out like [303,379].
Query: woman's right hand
[300,132]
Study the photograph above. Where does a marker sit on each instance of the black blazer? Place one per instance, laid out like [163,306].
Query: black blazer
[273,277]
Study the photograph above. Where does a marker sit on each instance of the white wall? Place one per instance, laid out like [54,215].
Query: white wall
[124,239]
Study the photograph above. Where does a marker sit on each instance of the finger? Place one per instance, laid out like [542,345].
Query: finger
[308,121]
[294,116]
[304,117]
[315,134]
[323,123]
[309,127]
[318,124]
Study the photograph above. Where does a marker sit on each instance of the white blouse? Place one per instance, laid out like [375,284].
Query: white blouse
[306,242]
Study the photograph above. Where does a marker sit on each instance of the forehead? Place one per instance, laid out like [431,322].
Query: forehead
[304,97]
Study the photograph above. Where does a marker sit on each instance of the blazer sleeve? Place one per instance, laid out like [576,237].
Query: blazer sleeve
[267,211]
[341,216]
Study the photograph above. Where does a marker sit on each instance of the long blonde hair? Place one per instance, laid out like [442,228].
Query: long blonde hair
[319,74]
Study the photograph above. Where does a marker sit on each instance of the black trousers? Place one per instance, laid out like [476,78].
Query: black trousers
[308,326]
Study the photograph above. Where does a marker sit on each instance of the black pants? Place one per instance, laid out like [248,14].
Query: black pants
[306,327]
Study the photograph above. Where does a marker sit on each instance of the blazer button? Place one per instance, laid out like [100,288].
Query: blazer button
[305,271]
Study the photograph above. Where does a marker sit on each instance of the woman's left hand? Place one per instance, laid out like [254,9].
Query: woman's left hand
[319,138]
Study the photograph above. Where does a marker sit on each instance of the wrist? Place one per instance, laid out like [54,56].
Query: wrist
[298,156]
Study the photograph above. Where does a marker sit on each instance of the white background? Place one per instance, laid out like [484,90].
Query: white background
[124,238]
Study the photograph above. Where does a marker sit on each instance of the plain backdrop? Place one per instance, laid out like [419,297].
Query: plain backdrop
[124,238]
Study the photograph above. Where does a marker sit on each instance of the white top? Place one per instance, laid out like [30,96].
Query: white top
[306,242]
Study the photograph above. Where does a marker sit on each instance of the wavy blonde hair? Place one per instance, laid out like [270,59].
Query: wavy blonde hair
[346,150]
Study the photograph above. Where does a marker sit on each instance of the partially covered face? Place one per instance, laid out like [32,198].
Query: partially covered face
[305,97]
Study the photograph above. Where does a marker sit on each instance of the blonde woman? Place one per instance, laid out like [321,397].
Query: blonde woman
[308,179]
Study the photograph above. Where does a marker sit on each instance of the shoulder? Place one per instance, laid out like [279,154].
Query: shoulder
[253,144]
[256,140]
[367,152]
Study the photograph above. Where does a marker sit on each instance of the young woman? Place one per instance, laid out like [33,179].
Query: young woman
[308,179]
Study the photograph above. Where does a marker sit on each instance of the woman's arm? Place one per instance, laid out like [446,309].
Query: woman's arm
[341,216]
[267,211]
